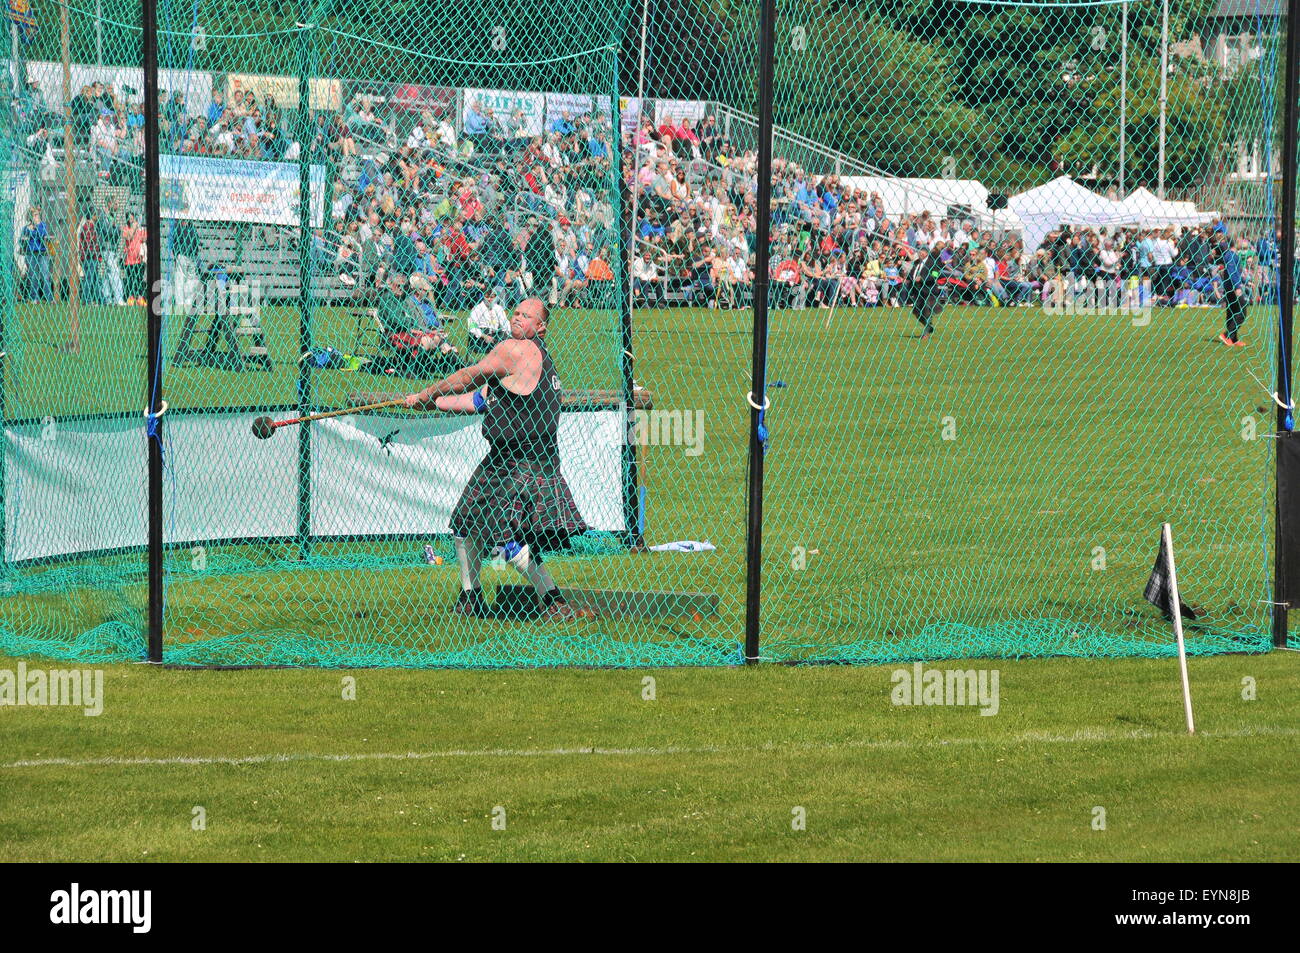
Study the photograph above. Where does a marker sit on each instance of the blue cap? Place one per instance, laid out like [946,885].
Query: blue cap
[1221,228]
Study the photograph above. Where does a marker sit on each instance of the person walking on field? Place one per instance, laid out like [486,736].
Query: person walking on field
[1234,291]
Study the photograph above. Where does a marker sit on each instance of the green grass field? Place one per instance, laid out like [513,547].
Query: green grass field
[712,769]
[995,490]
[948,499]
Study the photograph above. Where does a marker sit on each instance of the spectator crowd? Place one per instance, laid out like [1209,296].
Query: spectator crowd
[423,218]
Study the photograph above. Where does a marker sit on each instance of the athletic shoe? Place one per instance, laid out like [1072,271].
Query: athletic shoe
[1227,341]
[1238,343]
[470,603]
[558,611]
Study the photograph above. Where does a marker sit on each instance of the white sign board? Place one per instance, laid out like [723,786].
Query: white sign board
[503,103]
[237,190]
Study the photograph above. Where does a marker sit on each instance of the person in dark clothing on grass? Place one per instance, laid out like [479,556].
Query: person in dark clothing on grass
[1234,292]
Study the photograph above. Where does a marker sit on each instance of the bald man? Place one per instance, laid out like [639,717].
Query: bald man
[516,502]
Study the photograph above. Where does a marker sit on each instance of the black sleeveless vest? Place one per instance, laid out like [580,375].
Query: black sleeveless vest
[524,426]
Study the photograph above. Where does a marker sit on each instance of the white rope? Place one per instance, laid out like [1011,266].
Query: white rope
[767,402]
[1277,400]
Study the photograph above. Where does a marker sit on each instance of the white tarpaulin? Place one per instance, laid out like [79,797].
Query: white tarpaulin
[74,486]
[80,486]
[1153,211]
[1065,202]
[410,483]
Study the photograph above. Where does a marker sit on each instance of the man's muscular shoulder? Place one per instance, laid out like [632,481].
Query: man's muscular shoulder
[514,352]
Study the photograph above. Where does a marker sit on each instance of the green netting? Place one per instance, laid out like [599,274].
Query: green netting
[993,361]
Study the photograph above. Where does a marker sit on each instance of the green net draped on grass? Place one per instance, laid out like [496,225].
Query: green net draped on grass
[1004,243]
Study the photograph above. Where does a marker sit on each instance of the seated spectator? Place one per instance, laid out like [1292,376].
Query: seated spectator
[600,277]
[737,279]
[340,138]
[477,122]
[571,276]
[894,286]
[686,141]
[421,307]
[488,323]
[647,283]
[1015,290]
[787,276]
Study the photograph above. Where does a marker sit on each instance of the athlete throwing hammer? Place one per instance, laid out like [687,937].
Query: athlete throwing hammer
[517,502]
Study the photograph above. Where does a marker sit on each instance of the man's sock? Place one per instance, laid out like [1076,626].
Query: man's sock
[540,577]
[531,568]
[469,554]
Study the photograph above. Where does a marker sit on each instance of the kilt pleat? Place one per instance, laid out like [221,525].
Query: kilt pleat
[521,500]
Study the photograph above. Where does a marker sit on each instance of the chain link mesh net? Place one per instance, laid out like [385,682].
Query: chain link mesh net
[999,272]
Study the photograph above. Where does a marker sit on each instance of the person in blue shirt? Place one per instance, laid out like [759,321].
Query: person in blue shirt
[1267,250]
[476,123]
[650,226]
[216,108]
[1234,291]
[419,304]
[36,248]
[563,125]
[805,199]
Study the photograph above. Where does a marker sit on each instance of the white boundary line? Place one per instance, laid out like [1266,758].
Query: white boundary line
[1083,736]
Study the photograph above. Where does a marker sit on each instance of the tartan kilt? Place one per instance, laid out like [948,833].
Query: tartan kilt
[521,500]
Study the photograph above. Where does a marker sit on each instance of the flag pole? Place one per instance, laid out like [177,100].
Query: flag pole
[1176,609]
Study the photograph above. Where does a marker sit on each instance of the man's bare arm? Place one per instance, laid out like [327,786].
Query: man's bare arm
[461,403]
[499,363]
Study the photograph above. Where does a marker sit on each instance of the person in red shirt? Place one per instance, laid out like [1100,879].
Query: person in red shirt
[685,140]
[133,241]
[88,245]
[456,243]
[668,133]
[788,278]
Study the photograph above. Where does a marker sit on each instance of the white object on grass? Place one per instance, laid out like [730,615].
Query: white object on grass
[684,546]
[1177,613]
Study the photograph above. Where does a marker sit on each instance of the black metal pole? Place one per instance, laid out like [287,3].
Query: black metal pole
[1286,307]
[305,396]
[154,364]
[757,398]
[624,244]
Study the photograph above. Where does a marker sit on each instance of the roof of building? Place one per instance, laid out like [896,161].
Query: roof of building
[1248,8]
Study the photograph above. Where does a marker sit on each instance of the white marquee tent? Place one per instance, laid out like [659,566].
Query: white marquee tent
[913,196]
[1153,211]
[1065,202]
